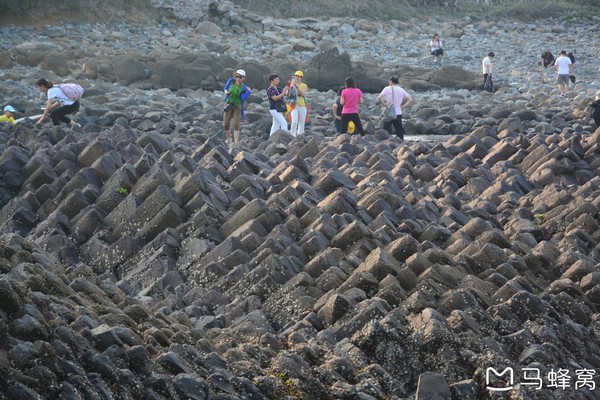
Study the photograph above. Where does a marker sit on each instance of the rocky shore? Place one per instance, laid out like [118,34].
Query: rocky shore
[143,259]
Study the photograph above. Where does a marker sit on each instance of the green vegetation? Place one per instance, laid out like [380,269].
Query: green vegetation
[122,191]
[16,11]
[540,218]
[292,389]
[524,10]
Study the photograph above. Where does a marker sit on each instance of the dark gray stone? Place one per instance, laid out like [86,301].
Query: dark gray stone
[433,386]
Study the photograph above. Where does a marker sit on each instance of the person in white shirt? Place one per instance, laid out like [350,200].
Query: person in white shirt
[394,94]
[436,48]
[58,104]
[563,67]
[487,66]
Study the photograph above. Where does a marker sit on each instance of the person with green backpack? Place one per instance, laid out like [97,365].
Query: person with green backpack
[236,93]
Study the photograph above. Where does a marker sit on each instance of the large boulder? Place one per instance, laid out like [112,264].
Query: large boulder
[327,70]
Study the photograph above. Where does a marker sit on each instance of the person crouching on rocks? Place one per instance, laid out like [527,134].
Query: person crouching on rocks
[58,104]
[236,93]
[435,46]
[547,59]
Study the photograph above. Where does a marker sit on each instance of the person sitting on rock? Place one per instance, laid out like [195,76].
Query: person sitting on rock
[8,117]
[437,51]
[58,104]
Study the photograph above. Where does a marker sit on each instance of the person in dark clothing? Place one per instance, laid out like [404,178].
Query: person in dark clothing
[596,113]
[336,110]
[547,59]
[572,78]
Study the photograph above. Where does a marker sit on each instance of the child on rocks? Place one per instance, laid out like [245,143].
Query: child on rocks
[8,116]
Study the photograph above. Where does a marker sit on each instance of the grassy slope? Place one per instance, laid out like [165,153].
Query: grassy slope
[524,10]
[36,12]
[50,11]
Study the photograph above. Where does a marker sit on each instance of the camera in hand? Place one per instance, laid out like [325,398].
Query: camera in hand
[227,107]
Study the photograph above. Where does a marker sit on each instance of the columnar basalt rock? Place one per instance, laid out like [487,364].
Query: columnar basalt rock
[144,258]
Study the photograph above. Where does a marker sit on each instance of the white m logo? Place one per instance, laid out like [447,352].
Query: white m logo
[510,375]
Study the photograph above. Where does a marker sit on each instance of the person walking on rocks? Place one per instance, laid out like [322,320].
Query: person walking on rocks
[277,106]
[350,98]
[487,66]
[236,93]
[394,94]
[58,104]
[8,116]
[299,110]
[563,67]
[435,46]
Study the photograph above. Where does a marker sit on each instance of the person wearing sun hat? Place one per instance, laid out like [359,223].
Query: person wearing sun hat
[8,116]
[236,93]
[300,109]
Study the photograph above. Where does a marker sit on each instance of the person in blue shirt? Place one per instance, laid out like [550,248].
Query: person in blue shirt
[236,93]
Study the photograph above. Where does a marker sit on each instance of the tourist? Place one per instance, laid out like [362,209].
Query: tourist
[487,66]
[572,77]
[236,93]
[350,98]
[299,110]
[596,113]
[58,104]
[563,67]
[394,94]
[336,111]
[547,59]
[8,116]
[435,46]
[277,106]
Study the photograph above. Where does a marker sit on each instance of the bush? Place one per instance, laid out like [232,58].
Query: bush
[525,10]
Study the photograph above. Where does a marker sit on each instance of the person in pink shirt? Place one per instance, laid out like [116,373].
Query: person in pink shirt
[351,97]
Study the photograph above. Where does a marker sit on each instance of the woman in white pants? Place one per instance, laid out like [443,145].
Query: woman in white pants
[299,112]
[276,104]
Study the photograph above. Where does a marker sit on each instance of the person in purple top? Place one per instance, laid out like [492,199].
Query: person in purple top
[276,104]
[351,97]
